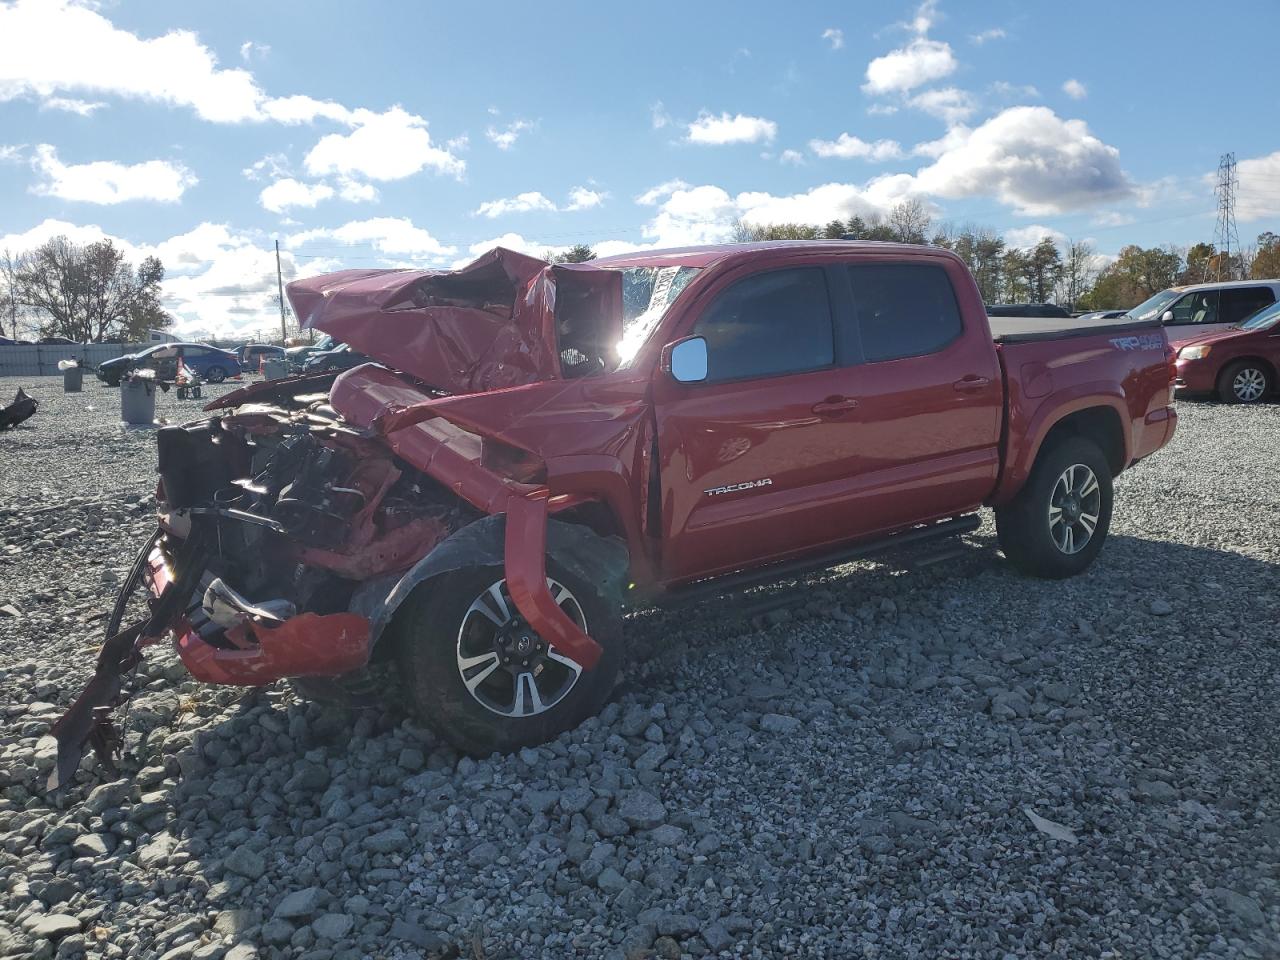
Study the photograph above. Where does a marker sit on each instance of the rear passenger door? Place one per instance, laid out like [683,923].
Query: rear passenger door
[930,397]
[1238,303]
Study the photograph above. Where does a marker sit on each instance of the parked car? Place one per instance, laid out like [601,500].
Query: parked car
[1102,315]
[251,355]
[341,357]
[1239,364]
[1206,307]
[552,443]
[210,363]
[57,341]
[1049,310]
[298,356]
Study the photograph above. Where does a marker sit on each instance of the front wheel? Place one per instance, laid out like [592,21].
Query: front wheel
[480,675]
[215,375]
[1057,523]
[1245,381]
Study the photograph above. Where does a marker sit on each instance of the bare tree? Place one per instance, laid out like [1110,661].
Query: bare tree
[8,293]
[1078,273]
[910,221]
[86,292]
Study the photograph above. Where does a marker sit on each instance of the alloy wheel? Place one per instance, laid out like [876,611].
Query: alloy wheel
[1074,507]
[1249,384]
[505,666]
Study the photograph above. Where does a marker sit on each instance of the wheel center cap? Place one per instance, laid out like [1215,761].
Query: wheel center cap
[1071,508]
[524,643]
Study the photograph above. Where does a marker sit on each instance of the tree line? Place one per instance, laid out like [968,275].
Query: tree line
[88,293]
[1066,272]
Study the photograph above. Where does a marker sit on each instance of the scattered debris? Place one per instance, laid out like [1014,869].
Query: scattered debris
[1051,828]
[22,408]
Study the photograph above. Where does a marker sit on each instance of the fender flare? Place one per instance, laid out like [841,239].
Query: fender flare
[602,562]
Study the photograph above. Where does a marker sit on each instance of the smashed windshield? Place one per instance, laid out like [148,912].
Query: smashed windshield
[647,293]
[1266,317]
[1154,306]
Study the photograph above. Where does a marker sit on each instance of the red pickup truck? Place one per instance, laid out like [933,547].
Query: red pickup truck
[540,445]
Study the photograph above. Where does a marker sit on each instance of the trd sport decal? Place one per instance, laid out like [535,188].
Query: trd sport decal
[736,487]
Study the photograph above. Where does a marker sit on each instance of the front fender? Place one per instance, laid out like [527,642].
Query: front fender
[599,561]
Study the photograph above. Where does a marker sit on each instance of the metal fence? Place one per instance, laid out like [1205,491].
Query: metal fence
[40,359]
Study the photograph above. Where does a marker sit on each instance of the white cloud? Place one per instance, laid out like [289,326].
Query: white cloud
[520,203]
[995,33]
[1075,89]
[353,191]
[738,128]
[953,139]
[926,15]
[847,147]
[84,108]
[919,62]
[834,36]
[107,182]
[10,153]
[49,46]
[383,146]
[705,214]
[580,198]
[300,108]
[273,166]
[792,158]
[948,104]
[1112,218]
[664,189]
[251,49]
[1024,238]
[1259,193]
[658,116]
[506,138]
[1031,159]
[881,110]
[395,236]
[1006,89]
[284,194]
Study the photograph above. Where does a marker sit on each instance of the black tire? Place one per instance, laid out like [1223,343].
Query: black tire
[1028,536]
[1245,381]
[428,628]
[215,374]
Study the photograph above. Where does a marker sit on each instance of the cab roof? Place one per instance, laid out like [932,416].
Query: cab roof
[706,255]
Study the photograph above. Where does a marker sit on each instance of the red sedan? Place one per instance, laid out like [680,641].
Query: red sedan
[1239,364]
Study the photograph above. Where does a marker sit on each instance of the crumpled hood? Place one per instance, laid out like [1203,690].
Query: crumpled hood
[487,325]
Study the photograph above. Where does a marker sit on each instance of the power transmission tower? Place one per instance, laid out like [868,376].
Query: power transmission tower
[284,332]
[1225,237]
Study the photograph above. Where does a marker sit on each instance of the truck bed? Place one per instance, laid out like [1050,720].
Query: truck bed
[1032,329]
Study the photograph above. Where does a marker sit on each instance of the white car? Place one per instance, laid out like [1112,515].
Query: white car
[1205,307]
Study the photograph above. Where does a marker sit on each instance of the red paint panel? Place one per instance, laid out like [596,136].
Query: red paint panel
[526,571]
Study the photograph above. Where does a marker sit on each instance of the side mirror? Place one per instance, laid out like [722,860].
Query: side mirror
[1166,317]
[687,360]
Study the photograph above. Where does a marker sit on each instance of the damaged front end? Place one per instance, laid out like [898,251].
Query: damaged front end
[297,517]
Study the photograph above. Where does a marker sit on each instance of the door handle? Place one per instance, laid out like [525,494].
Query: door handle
[971,383]
[834,405]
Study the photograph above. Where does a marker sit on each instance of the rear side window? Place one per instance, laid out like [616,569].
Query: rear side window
[769,324]
[903,310]
[1238,302]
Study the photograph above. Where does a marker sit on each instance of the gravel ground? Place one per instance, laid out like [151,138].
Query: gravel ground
[942,761]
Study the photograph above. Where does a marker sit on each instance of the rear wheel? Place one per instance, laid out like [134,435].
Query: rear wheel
[1245,381]
[1056,525]
[215,374]
[479,674]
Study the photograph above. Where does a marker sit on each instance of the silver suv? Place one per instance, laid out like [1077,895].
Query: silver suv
[1204,307]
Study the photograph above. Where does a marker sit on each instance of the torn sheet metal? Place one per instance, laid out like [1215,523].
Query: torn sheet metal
[503,320]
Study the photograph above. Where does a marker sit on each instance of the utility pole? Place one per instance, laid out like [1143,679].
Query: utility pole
[284,331]
[1225,237]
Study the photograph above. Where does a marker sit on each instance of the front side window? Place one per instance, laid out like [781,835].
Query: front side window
[1154,306]
[903,310]
[1237,303]
[769,324]
[1200,306]
[647,294]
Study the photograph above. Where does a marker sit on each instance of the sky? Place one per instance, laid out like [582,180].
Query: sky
[423,133]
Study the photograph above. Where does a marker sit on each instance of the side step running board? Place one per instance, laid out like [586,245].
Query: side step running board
[729,583]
